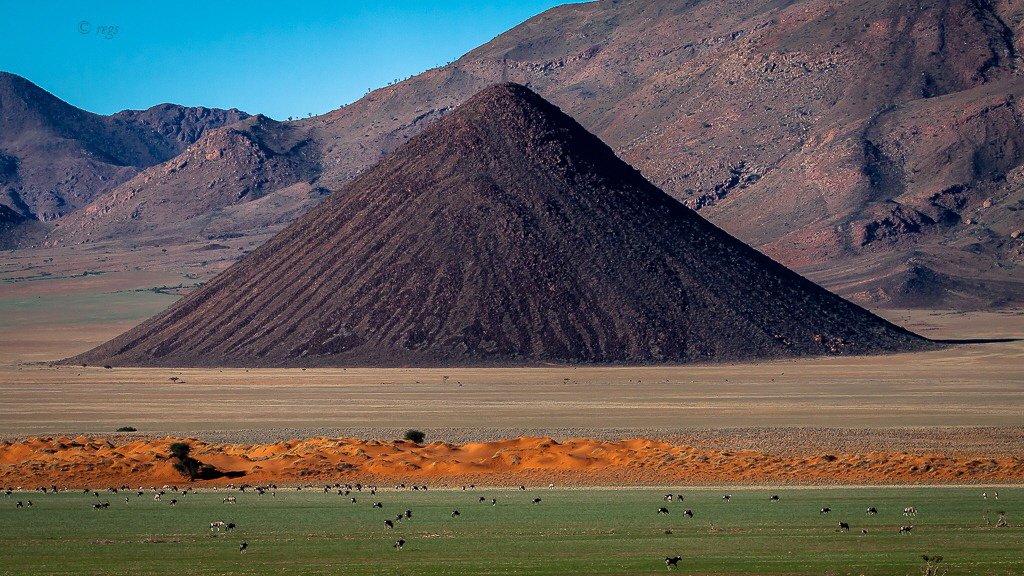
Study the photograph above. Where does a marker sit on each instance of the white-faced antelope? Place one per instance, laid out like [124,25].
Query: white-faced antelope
[871,511]
[910,511]
[906,528]
[825,510]
[672,562]
[844,527]
[230,500]
[663,510]
[217,525]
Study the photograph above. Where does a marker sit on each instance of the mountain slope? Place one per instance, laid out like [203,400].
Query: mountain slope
[55,158]
[228,167]
[17,230]
[879,135]
[505,233]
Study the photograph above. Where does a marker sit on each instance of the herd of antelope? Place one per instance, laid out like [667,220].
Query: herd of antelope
[217,526]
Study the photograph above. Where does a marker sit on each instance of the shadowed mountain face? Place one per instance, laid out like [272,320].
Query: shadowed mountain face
[867,142]
[16,229]
[55,158]
[504,233]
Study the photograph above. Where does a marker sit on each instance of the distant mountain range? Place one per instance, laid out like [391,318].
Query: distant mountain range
[875,145]
[55,158]
[504,233]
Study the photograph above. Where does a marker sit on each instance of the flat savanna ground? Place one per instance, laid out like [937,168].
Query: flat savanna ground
[596,531]
[56,303]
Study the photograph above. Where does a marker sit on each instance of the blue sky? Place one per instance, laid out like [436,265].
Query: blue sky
[276,58]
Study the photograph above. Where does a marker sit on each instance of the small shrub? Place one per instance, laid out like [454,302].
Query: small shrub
[127,429]
[186,465]
[415,436]
[180,450]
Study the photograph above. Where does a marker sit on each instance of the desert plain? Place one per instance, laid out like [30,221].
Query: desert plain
[947,416]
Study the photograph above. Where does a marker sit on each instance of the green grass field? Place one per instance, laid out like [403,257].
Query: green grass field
[569,532]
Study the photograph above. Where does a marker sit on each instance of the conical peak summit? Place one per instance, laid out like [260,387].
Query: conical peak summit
[505,100]
[507,128]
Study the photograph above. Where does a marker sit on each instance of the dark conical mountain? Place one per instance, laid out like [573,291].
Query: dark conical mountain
[503,233]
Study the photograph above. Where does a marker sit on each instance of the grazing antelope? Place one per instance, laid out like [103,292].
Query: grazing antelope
[378,504]
[727,497]
[774,498]
[536,500]
[672,562]
[668,497]
[844,527]
[217,525]
[408,513]
[494,501]
[389,524]
[482,499]
[662,510]
[688,513]
[456,514]
[906,528]
[230,500]
[871,511]
[825,510]
[173,501]
[399,544]
[243,547]
[910,511]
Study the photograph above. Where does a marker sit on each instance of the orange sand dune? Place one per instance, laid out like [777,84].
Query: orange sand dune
[82,462]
